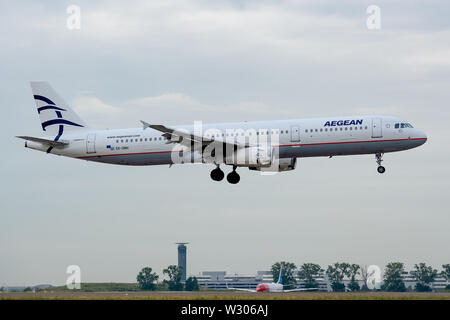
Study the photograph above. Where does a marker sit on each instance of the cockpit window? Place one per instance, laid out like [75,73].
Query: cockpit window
[403,125]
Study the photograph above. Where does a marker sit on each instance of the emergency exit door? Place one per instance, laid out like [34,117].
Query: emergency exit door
[90,143]
[376,128]
[295,134]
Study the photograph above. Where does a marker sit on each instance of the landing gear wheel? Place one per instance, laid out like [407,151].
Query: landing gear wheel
[233,177]
[217,174]
[381,169]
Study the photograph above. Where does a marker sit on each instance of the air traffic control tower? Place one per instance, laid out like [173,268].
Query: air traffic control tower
[182,258]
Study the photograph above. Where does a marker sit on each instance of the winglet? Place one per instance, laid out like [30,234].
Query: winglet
[145,124]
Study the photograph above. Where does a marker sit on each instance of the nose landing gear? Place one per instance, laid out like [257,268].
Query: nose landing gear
[380,168]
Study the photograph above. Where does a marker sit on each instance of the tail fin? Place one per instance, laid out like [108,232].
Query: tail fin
[55,115]
[280,277]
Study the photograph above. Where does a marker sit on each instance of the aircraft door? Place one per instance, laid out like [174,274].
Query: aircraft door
[90,143]
[377,128]
[295,134]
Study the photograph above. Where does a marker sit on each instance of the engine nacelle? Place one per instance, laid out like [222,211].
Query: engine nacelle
[287,164]
[283,165]
[258,156]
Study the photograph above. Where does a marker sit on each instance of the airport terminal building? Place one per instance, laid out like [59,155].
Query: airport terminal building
[219,280]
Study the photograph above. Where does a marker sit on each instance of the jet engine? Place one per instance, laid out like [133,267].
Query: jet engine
[283,165]
[258,156]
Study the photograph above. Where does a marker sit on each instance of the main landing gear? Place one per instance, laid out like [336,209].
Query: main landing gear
[218,175]
[233,177]
[380,168]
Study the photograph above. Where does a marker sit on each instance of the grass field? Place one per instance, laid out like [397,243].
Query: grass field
[221,295]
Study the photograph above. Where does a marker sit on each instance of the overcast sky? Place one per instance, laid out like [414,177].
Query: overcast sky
[173,62]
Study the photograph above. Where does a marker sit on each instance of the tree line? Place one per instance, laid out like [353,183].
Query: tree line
[337,272]
[392,279]
[148,280]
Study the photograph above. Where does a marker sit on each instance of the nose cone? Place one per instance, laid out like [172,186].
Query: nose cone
[261,288]
[421,137]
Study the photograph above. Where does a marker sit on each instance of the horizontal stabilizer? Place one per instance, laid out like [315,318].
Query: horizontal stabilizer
[45,141]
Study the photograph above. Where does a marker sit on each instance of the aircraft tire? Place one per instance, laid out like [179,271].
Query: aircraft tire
[381,169]
[233,177]
[217,174]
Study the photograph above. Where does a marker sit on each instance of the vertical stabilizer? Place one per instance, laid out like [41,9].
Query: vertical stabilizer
[55,114]
[280,277]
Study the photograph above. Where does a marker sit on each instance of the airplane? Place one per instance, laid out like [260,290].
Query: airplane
[271,146]
[272,287]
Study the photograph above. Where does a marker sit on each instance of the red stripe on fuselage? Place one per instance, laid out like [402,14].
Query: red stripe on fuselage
[343,142]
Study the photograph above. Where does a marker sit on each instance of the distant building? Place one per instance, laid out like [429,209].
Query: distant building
[219,280]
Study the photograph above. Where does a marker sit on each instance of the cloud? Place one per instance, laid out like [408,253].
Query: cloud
[174,108]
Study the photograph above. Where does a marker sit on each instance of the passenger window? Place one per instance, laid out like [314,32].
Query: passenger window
[346,129]
[121,141]
[117,141]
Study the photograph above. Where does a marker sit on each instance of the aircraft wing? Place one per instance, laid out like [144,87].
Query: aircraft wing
[297,290]
[182,137]
[240,289]
[44,141]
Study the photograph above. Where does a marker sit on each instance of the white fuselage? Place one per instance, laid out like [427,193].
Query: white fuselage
[295,138]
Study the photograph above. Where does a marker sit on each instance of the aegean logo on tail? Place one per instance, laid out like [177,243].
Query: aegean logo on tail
[342,123]
[52,106]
